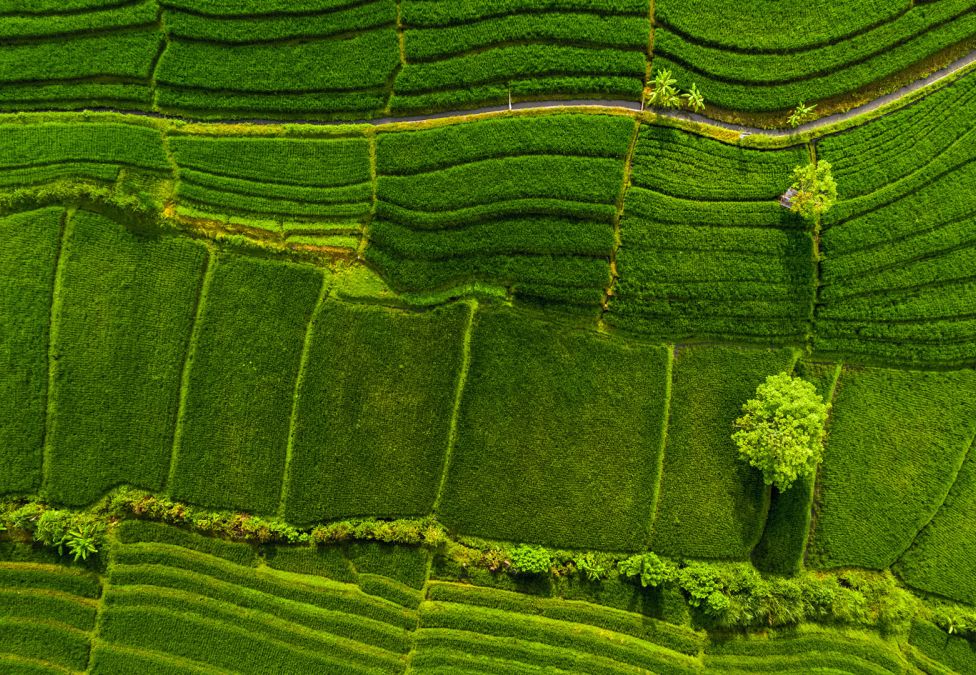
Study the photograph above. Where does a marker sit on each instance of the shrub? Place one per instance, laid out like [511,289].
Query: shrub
[590,567]
[648,568]
[816,190]
[781,431]
[530,559]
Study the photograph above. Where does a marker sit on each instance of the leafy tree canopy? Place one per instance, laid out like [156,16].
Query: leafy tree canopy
[781,431]
[816,190]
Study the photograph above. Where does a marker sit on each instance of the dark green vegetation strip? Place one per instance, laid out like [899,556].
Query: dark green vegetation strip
[382,382]
[533,387]
[706,251]
[28,255]
[887,469]
[242,378]
[712,505]
[125,312]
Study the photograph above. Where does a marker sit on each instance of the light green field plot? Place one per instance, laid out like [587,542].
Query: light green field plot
[374,409]
[124,308]
[29,247]
[579,415]
[711,504]
[887,466]
[234,423]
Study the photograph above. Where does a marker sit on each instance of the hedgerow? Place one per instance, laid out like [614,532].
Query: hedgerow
[376,379]
[27,264]
[528,402]
[886,471]
[711,505]
[241,382]
[124,311]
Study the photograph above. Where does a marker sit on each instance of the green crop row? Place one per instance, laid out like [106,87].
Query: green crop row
[950,651]
[530,388]
[942,558]
[764,28]
[27,262]
[425,44]
[166,566]
[139,531]
[264,22]
[231,644]
[695,167]
[31,576]
[679,639]
[61,646]
[869,156]
[769,82]
[571,640]
[450,12]
[579,135]
[711,504]
[97,17]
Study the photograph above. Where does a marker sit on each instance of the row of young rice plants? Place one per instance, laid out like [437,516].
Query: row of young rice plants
[579,414]
[897,441]
[257,58]
[706,251]
[771,27]
[942,559]
[464,54]
[69,56]
[96,151]
[302,188]
[178,599]
[495,631]
[712,505]
[807,649]
[897,250]
[29,244]
[384,382]
[736,78]
[526,203]
[47,612]
[123,308]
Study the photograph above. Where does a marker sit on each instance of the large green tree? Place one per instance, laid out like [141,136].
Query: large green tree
[781,431]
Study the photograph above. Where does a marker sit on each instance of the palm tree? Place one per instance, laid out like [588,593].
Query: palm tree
[664,94]
[801,114]
[694,99]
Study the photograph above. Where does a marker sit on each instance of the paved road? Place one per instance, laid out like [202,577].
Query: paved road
[953,67]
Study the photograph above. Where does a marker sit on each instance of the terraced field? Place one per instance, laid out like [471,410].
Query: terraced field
[293,382]
[339,59]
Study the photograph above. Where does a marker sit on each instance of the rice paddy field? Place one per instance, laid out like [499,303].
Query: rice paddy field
[409,336]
